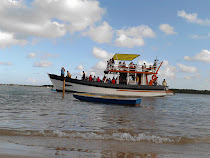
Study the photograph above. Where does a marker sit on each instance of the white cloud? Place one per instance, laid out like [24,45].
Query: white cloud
[46,19]
[7,39]
[133,36]
[167,29]
[188,77]
[193,18]
[200,36]
[101,65]
[101,34]
[48,55]
[32,55]
[43,64]
[203,56]
[141,62]
[167,71]
[78,13]
[142,30]
[101,54]
[192,77]
[98,69]
[42,56]
[5,63]
[125,41]
[92,73]
[189,69]
[80,67]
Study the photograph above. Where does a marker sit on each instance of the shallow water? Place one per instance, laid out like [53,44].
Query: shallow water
[38,116]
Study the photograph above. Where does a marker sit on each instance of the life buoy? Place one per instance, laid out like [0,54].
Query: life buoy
[153,77]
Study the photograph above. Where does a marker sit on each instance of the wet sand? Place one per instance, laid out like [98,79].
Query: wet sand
[12,156]
[35,147]
[11,150]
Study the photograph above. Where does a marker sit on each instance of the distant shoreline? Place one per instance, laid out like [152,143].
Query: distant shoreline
[189,91]
[26,85]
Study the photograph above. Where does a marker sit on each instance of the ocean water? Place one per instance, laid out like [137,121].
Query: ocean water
[171,126]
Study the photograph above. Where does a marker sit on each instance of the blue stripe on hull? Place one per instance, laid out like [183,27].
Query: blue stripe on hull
[135,102]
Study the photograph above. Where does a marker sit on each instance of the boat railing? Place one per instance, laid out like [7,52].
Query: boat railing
[134,67]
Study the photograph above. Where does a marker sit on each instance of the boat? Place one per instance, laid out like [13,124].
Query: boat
[107,99]
[53,90]
[132,80]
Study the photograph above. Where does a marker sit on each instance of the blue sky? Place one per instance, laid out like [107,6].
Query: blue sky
[40,36]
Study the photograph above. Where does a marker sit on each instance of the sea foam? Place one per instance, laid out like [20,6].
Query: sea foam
[141,137]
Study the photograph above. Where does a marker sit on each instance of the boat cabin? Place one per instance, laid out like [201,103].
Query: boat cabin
[131,74]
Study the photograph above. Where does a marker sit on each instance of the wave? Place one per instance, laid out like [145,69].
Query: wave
[126,137]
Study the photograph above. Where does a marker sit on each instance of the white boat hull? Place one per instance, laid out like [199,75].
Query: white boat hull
[74,87]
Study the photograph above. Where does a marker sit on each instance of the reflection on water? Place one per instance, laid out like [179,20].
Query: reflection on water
[33,111]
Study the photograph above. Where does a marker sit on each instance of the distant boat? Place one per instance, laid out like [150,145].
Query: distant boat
[108,99]
[54,90]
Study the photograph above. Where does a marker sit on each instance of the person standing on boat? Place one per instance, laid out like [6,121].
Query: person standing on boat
[83,76]
[137,79]
[68,74]
[164,83]
[145,67]
[124,65]
[155,82]
[113,81]
[94,79]
[104,78]
[90,78]
[98,79]
[62,72]
[155,65]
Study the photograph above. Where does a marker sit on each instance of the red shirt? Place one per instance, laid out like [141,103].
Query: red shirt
[90,78]
[113,81]
[98,80]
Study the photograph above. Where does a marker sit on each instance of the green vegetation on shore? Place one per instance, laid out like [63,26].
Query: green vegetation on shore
[190,91]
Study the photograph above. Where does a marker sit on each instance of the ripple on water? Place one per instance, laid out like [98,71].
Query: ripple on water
[156,119]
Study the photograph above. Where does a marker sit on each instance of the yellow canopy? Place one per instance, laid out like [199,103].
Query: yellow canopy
[125,56]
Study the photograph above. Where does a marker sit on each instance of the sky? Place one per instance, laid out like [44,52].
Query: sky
[41,36]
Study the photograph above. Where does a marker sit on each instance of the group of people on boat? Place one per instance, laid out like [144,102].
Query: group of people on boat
[90,78]
[131,66]
[121,65]
[94,79]
[122,78]
[63,73]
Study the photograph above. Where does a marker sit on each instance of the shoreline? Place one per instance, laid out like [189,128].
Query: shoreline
[15,150]
[29,147]
[190,91]
[26,85]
